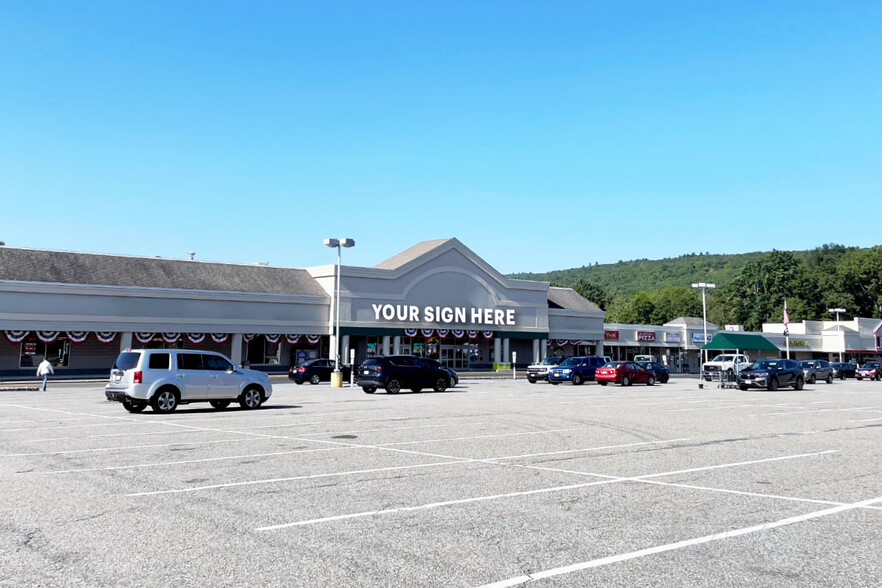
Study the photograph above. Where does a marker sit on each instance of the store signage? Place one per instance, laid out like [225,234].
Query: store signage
[672,337]
[699,338]
[610,335]
[798,343]
[444,314]
[647,336]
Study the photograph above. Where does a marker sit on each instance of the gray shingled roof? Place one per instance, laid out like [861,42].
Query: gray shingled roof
[568,299]
[689,321]
[64,267]
[408,255]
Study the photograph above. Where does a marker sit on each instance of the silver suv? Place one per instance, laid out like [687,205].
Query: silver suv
[165,378]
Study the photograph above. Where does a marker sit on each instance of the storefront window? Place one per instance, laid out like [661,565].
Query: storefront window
[33,350]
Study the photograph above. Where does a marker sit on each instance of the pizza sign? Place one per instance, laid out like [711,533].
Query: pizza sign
[647,336]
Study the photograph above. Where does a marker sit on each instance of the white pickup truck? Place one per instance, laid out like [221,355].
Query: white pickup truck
[727,365]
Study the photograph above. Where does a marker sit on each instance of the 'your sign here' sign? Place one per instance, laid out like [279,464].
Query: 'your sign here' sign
[459,315]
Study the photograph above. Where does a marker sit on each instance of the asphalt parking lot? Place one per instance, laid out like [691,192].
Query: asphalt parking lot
[494,482]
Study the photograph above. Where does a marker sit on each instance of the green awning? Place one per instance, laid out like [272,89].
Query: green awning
[742,341]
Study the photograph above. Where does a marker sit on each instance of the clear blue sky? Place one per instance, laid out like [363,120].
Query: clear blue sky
[544,135]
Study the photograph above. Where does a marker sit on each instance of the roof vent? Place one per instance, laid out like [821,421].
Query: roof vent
[191,255]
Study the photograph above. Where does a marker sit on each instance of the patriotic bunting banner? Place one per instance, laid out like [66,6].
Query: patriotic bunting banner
[473,334]
[16,336]
[220,337]
[292,339]
[106,337]
[410,332]
[313,339]
[458,333]
[171,338]
[272,339]
[247,337]
[196,338]
[487,334]
[144,337]
[443,333]
[77,336]
[427,332]
[562,342]
[47,336]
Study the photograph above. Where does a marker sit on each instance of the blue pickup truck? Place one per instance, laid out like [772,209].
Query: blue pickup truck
[576,369]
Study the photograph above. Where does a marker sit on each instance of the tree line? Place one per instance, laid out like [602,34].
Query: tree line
[751,288]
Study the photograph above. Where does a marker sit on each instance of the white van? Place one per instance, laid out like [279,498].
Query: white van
[645,358]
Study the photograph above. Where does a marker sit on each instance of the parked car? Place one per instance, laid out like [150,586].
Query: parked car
[165,378]
[624,373]
[394,372]
[576,370]
[844,370]
[816,369]
[871,370]
[315,371]
[454,377]
[772,374]
[539,371]
[725,366]
[662,373]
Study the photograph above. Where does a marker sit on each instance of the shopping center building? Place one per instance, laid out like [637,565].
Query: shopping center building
[436,299]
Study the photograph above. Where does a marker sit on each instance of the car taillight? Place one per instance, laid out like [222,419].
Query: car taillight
[138,377]
[301,369]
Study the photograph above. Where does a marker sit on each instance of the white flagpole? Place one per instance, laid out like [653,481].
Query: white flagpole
[786,329]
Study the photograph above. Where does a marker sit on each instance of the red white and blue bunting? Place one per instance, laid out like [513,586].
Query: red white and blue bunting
[272,339]
[442,333]
[16,336]
[473,334]
[410,333]
[562,342]
[171,338]
[195,338]
[48,336]
[220,337]
[144,337]
[247,337]
[313,339]
[105,337]
[458,333]
[487,334]
[77,336]
[427,332]
[292,339]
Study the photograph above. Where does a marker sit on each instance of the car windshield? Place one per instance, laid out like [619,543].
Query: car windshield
[571,361]
[615,364]
[763,364]
[373,362]
[550,361]
[127,360]
[807,363]
[724,358]
[871,364]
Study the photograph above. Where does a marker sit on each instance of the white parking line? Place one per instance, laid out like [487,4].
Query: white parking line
[609,480]
[603,561]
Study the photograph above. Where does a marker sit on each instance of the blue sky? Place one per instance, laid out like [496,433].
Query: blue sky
[544,135]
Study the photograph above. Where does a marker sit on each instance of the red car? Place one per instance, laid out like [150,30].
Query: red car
[624,373]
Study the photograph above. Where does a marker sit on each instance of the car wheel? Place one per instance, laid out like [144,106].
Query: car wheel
[134,406]
[531,380]
[219,404]
[829,378]
[164,401]
[650,381]
[298,382]
[743,388]
[773,384]
[664,379]
[440,385]
[577,379]
[369,389]
[812,379]
[314,379]
[626,381]
[878,377]
[393,386]
[841,376]
[800,384]
[251,398]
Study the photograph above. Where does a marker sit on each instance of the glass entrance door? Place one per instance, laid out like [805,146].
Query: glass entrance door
[455,356]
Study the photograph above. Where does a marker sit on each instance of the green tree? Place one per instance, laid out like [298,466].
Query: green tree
[592,292]
[860,273]
[757,294]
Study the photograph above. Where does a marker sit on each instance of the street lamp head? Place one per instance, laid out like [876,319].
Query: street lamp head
[835,310]
[347,242]
[332,242]
[704,285]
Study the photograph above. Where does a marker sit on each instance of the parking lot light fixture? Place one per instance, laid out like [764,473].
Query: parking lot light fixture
[337,376]
[704,288]
[836,311]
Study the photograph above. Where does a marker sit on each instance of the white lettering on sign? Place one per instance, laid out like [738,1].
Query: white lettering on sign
[444,314]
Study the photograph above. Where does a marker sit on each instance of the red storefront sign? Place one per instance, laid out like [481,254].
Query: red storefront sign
[610,335]
[646,336]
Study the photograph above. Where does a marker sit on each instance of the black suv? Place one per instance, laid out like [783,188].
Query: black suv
[772,374]
[315,371]
[394,372]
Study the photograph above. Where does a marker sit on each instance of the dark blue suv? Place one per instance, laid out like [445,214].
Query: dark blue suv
[394,372]
[576,370]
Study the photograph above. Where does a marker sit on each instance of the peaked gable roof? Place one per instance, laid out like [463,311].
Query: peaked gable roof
[411,253]
[65,267]
[689,321]
[568,299]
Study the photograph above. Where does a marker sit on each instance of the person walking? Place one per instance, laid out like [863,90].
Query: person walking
[44,369]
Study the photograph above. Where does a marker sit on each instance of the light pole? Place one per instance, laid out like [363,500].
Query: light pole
[337,376]
[836,311]
[704,288]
